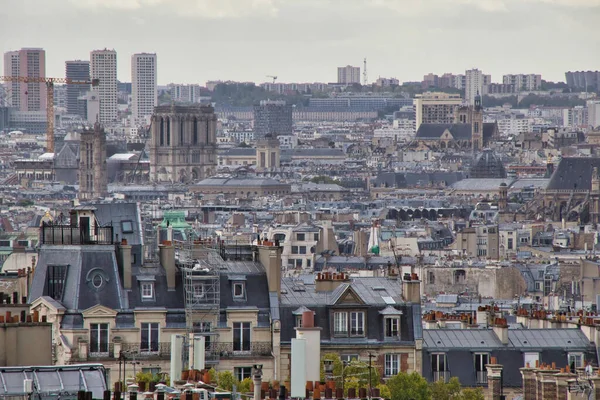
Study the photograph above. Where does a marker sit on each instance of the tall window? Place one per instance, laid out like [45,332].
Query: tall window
[439,367]
[57,275]
[575,361]
[181,131]
[340,323]
[162,132]
[207,131]
[481,360]
[195,131]
[242,373]
[392,327]
[149,339]
[99,339]
[241,336]
[168,131]
[392,364]
[357,323]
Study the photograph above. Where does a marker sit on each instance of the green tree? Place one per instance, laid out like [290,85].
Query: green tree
[225,380]
[471,394]
[244,386]
[351,383]
[213,375]
[441,390]
[409,387]
[324,179]
[360,371]
[338,367]
[384,391]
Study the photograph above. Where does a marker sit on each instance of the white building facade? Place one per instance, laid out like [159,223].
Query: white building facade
[104,68]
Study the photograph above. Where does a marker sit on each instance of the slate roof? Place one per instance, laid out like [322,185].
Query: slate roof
[238,182]
[241,152]
[479,184]
[363,287]
[318,152]
[406,179]
[82,263]
[116,213]
[573,173]
[517,338]
[435,131]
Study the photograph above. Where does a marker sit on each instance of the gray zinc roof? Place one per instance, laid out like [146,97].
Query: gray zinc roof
[573,173]
[460,338]
[538,338]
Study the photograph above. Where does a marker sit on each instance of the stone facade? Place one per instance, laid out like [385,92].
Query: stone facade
[92,164]
[183,143]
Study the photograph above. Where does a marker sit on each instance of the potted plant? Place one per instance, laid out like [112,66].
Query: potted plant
[143,379]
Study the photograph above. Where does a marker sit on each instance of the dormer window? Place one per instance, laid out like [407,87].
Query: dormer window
[147,290]
[127,226]
[238,290]
[392,327]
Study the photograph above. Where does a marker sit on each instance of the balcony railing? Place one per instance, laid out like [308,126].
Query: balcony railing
[441,376]
[482,377]
[66,234]
[101,355]
[147,350]
[227,350]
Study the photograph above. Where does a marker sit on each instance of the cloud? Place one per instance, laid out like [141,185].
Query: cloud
[411,7]
[572,3]
[209,9]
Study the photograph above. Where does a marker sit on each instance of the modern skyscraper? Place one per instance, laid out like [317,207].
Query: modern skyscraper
[77,70]
[104,68]
[31,63]
[475,84]
[144,94]
[11,68]
[272,118]
[348,75]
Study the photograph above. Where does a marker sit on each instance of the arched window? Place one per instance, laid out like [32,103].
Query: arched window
[195,131]
[181,131]
[168,131]
[162,132]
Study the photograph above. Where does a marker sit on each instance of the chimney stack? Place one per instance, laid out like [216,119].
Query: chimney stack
[167,260]
[494,374]
[329,281]
[312,336]
[269,255]
[500,328]
[411,288]
[125,250]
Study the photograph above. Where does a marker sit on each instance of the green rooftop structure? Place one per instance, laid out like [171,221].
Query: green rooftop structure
[182,230]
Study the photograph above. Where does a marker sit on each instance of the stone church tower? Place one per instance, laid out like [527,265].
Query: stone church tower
[474,116]
[183,143]
[92,163]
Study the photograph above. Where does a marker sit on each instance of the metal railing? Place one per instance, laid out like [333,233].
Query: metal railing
[66,234]
[101,355]
[228,350]
[147,350]
[482,377]
[441,376]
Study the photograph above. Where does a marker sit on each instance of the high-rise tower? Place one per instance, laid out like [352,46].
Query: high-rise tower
[144,95]
[104,68]
[77,70]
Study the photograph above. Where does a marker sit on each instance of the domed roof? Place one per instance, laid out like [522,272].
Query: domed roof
[488,165]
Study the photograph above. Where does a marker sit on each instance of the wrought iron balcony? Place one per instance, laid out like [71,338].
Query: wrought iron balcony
[228,350]
[147,350]
[93,354]
[71,234]
[482,377]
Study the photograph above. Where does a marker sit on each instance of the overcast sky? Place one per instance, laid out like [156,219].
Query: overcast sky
[305,40]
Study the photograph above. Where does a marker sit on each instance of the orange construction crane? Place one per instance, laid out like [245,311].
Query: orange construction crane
[50,98]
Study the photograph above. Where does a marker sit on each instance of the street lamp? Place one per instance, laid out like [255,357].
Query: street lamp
[344,365]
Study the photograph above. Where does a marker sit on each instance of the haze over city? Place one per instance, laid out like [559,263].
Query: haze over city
[303,41]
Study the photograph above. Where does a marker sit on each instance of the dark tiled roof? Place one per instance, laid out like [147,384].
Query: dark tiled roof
[458,131]
[573,173]
[116,213]
[241,152]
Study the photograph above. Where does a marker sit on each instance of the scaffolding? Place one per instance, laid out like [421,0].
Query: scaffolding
[200,262]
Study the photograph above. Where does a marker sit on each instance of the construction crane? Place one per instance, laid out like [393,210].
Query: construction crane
[274,77]
[49,98]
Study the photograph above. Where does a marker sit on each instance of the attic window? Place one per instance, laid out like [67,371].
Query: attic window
[238,290]
[147,290]
[127,226]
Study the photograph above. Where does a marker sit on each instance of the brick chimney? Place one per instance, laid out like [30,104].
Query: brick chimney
[269,255]
[546,382]
[125,253]
[329,281]
[529,382]
[494,375]
[166,253]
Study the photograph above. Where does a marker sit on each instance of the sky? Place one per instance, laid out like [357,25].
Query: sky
[306,40]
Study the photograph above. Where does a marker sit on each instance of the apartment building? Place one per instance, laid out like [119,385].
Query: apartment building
[144,94]
[30,63]
[348,75]
[523,82]
[475,84]
[435,108]
[104,68]
[77,70]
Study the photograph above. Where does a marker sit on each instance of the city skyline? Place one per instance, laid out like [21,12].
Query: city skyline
[236,32]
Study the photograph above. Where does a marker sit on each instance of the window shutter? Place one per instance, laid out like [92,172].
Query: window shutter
[404,362]
[381,365]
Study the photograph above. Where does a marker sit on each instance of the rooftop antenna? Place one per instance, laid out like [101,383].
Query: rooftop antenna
[365,80]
